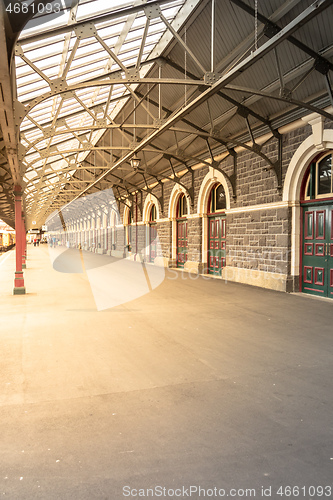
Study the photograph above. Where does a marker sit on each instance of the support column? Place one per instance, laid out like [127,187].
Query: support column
[19,288]
[24,244]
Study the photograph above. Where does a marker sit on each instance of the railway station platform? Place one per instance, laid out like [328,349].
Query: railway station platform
[200,383]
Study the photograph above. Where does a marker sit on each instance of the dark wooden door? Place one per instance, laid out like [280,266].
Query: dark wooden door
[216,244]
[317,250]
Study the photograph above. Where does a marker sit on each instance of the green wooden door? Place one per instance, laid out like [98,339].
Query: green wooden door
[216,244]
[182,244]
[317,250]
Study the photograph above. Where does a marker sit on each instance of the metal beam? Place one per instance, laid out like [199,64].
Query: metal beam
[297,103]
[243,48]
[282,35]
[127,11]
[105,83]
[301,71]
[272,29]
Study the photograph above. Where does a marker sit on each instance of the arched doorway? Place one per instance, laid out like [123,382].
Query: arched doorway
[216,230]
[152,233]
[317,228]
[182,243]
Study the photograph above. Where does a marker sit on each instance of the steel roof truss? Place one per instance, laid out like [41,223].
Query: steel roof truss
[272,29]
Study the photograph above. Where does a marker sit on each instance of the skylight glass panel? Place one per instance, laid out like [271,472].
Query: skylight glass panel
[27,79]
[153,38]
[66,111]
[132,44]
[21,67]
[30,175]
[97,7]
[45,51]
[170,12]
[55,157]
[109,32]
[27,97]
[75,79]
[51,40]
[53,179]
[87,70]
[139,21]
[33,134]
[129,55]
[69,104]
[113,30]
[32,156]
[25,91]
[75,121]
[58,165]
[43,117]
[42,144]
[48,22]
[91,61]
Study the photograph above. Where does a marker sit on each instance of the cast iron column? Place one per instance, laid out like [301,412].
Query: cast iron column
[24,244]
[19,287]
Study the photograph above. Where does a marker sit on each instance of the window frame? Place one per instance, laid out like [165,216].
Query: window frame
[318,196]
[213,193]
[181,204]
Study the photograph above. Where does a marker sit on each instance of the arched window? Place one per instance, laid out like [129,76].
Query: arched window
[153,214]
[181,207]
[182,243]
[216,230]
[319,182]
[217,200]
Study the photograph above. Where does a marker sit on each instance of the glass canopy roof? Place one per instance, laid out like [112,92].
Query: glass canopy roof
[172,82]
[74,74]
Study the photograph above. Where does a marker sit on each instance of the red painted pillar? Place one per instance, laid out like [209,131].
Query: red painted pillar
[24,243]
[19,287]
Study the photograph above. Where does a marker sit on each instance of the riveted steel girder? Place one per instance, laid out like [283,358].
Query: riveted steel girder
[282,35]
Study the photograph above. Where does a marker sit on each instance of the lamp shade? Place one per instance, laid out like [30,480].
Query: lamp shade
[135,162]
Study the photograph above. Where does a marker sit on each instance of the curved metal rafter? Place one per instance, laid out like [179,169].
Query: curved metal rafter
[126,76]
[113,126]
[57,151]
[69,91]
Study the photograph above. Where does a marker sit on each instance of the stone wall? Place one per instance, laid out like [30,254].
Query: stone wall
[194,231]
[258,223]
[259,239]
[164,233]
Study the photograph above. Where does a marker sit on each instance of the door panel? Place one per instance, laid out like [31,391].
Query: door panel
[216,244]
[308,225]
[320,224]
[317,250]
[182,243]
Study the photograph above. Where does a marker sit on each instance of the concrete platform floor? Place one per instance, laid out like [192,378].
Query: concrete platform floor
[199,383]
